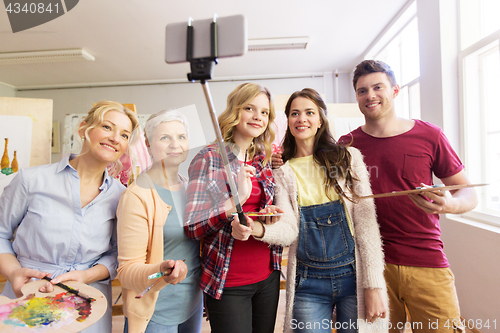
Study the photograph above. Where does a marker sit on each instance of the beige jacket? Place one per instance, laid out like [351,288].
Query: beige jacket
[141,216]
[368,249]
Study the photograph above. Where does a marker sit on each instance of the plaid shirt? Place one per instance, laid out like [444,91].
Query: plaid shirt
[206,217]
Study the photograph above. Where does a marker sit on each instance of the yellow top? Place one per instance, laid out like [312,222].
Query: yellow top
[311,183]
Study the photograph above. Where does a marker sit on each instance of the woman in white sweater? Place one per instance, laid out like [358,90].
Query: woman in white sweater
[337,260]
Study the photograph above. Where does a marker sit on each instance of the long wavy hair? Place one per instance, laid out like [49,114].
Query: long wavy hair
[333,159]
[237,100]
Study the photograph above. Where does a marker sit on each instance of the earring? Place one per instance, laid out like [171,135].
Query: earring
[83,138]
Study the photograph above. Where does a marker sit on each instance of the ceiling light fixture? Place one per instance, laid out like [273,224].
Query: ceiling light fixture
[38,57]
[270,44]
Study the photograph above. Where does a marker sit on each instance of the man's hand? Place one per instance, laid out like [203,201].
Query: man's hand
[444,202]
[434,202]
[276,160]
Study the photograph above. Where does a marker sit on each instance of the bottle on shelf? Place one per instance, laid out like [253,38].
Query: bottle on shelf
[14,165]
[4,163]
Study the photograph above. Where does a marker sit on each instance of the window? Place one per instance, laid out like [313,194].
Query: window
[478,19]
[480,73]
[398,47]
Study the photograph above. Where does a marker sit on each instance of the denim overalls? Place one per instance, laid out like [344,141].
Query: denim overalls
[325,270]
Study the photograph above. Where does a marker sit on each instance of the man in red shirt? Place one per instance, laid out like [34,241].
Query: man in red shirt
[402,154]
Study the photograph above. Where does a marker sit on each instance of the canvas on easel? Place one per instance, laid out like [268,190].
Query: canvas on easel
[26,123]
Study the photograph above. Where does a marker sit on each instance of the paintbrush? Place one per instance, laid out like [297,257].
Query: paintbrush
[148,289]
[159,274]
[72,290]
[162,274]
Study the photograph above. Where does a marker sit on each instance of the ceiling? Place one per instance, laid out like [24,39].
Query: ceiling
[126,37]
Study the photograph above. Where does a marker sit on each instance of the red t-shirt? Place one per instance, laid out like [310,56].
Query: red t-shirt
[251,259]
[411,237]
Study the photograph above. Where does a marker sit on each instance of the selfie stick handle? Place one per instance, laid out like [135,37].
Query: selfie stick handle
[202,69]
[222,149]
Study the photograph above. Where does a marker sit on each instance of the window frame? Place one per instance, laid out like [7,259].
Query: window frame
[480,214]
[406,107]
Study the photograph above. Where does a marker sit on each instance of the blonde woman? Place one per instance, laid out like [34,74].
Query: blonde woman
[240,277]
[151,237]
[64,212]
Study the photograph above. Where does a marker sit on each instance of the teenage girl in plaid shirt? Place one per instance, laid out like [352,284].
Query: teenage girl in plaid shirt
[240,276]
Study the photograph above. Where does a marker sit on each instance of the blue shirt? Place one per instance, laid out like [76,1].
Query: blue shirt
[177,303]
[54,234]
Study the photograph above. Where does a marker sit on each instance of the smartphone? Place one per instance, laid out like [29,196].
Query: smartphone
[231,39]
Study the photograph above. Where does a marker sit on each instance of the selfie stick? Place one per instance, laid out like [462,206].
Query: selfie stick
[202,70]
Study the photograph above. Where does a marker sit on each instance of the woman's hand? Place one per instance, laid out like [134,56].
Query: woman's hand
[239,231]
[271,209]
[178,271]
[95,273]
[19,277]
[375,306]
[244,182]
[76,275]
[79,276]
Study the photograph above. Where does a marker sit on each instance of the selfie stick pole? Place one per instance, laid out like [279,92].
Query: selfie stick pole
[202,70]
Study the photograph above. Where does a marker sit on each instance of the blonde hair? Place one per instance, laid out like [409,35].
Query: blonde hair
[95,117]
[236,101]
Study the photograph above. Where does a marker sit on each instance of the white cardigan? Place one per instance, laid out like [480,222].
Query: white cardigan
[369,255]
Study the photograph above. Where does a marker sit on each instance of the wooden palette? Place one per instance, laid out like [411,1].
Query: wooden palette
[259,214]
[421,190]
[58,311]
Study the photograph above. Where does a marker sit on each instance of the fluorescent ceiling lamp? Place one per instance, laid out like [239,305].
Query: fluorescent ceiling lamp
[269,44]
[38,57]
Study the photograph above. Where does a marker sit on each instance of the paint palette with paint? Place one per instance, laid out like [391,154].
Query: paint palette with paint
[251,214]
[58,311]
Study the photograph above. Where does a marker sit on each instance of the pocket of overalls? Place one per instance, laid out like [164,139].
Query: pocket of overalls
[325,238]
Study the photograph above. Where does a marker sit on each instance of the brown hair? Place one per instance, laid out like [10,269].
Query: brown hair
[373,66]
[335,160]
[240,97]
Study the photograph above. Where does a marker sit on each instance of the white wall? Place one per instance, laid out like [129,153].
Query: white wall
[153,98]
[7,91]
[472,251]
[339,88]
[474,257]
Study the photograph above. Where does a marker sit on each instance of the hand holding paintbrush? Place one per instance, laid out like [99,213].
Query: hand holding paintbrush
[171,271]
[72,290]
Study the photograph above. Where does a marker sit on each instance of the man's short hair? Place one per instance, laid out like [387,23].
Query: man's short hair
[373,66]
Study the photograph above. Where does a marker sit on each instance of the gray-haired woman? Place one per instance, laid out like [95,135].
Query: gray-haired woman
[150,229]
